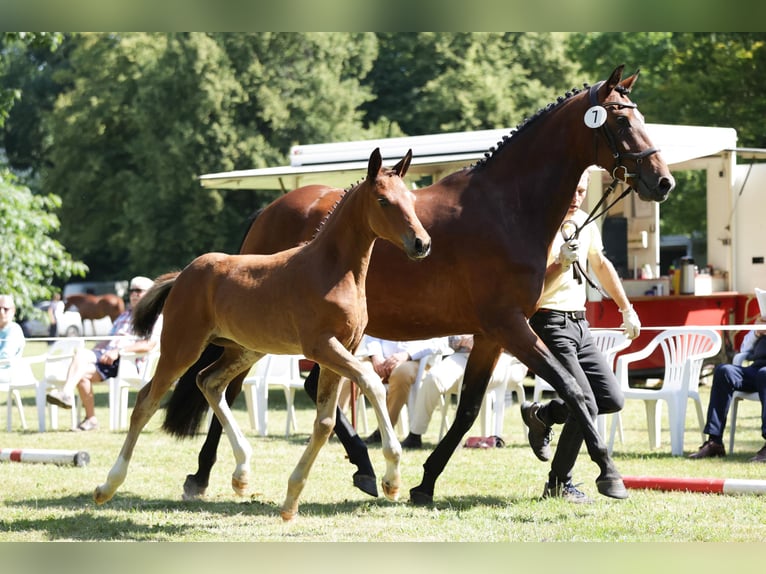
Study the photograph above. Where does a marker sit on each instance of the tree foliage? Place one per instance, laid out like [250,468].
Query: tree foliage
[31,260]
[119,126]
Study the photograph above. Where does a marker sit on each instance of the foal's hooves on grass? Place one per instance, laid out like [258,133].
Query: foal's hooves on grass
[239,486]
[390,491]
[613,488]
[287,516]
[366,484]
[99,497]
[192,490]
[420,498]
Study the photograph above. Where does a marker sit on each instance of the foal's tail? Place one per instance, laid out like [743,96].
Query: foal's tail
[149,307]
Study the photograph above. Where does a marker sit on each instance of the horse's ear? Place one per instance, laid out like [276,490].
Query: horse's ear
[404,164]
[627,83]
[373,167]
[615,78]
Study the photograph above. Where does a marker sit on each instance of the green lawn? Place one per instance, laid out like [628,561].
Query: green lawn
[483,495]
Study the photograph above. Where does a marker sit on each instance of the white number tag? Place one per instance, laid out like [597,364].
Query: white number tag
[595,117]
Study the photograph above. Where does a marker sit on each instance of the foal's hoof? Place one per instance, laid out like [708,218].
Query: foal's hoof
[366,484]
[390,491]
[239,485]
[99,497]
[420,498]
[287,515]
[192,490]
[613,488]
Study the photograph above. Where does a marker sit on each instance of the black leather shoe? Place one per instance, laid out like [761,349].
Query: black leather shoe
[412,441]
[374,438]
[539,434]
[709,449]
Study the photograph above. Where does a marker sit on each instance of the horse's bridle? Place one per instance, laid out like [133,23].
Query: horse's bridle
[618,156]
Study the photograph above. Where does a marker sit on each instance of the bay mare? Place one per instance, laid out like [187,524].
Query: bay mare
[491,225]
[307,300]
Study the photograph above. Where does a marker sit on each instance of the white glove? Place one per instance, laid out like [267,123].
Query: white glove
[630,323]
[568,253]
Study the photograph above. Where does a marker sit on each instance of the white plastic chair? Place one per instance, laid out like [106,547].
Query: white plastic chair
[15,375]
[281,371]
[684,350]
[609,342]
[736,397]
[508,375]
[57,361]
[134,371]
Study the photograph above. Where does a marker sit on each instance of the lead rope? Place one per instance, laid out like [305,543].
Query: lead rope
[577,268]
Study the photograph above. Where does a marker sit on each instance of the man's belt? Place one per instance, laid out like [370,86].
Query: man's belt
[573,315]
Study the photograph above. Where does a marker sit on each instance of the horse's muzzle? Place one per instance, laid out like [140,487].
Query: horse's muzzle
[419,248]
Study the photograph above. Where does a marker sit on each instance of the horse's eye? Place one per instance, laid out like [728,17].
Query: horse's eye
[623,121]
[383,202]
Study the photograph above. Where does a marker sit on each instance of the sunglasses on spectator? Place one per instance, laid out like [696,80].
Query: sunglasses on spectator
[136,290]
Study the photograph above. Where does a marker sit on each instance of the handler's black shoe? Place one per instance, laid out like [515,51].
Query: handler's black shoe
[539,434]
[567,491]
[374,438]
[412,440]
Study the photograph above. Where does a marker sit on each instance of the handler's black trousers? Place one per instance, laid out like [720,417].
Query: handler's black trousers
[568,336]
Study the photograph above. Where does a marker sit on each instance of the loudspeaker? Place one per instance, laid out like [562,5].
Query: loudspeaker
[615,236]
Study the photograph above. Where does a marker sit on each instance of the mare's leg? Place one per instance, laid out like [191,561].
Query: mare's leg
[213,381]
[364,477]
[147,403]
[478,370]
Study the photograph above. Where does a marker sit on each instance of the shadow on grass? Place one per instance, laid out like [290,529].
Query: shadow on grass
[78,518]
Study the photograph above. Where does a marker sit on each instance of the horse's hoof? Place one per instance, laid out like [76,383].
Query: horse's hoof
[287,515]
[389,491]
[99,497]
[613,488]
[239,485]
[193,490]
[366,484]
[420,498]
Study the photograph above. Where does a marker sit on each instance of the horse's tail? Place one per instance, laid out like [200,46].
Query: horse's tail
[187,405]
[149,307]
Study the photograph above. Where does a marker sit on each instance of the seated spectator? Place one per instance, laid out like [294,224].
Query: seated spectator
[396,363]
[729,378]
[442,378]
[102,362]
[12,339]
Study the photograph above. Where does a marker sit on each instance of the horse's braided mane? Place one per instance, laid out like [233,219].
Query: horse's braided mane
[493,151]
[335,206]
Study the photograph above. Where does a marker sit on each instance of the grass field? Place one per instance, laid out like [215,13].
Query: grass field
[483,495]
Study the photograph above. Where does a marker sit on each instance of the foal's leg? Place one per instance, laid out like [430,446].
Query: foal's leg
[147,403]
[327,401]
[347,365]
[213,381]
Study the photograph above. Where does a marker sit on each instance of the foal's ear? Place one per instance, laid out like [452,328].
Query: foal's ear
[373,167]
[404,164]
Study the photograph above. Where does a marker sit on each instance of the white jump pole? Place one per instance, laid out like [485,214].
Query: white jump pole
[710,485]
[74,457]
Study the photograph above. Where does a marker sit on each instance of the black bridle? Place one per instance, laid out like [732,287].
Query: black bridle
[618,156]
